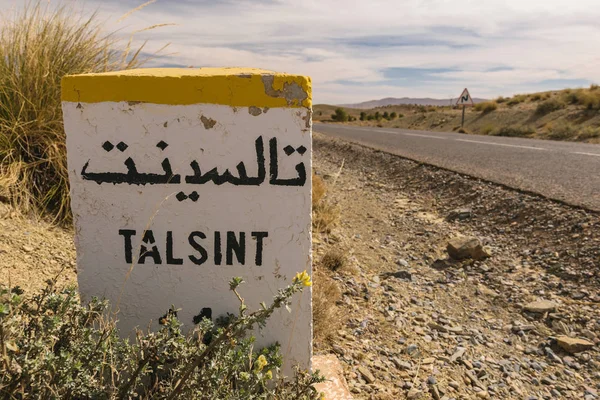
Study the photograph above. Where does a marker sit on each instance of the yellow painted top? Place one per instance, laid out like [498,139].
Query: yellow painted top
[239,87]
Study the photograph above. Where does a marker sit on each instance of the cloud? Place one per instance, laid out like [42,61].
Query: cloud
[356,51]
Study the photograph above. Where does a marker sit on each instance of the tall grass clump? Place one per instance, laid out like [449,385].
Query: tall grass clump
[325,214]
[39,45]
[486,107]
[548,106]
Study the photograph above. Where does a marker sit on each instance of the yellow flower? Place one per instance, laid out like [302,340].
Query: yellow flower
[261,362]
[303,278]
[269,375]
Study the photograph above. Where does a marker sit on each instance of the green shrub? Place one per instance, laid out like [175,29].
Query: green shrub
[393,115]
[38,46]
[340,115]
[500,100]
[486,107]
[548,106]
[386,115]
[363,115]
[55,348]
[511,131]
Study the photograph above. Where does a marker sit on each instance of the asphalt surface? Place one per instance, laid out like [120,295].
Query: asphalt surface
[564,171]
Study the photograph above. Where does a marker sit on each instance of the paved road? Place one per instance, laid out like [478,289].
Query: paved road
[564,171]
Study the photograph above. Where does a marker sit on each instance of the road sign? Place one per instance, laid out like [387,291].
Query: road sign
[184,178]
[465,99]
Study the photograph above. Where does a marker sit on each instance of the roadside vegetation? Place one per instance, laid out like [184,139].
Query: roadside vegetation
[54,347]
[40,44]
[569,114]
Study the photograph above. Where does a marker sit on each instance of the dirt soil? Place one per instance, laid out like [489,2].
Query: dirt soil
[413,323]
[33,251]
[420,325]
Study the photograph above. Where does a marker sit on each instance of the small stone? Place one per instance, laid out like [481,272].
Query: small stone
[541,306]
[401,364]
[460,351]
[466,247]
[573,345]
[460,214]
[435,392]
[366,374]
[405,275]
[454,385]
[28,249]
[589,334]
[431,380]
[548,381]
[413,393]
[412,349]
[402,262]
[427,361]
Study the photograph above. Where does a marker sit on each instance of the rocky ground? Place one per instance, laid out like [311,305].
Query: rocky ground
[521,324]
[411,322]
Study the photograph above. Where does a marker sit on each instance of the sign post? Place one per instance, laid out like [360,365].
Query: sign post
[184,178]
[464,99]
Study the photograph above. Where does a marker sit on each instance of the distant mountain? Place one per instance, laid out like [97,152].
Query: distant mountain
[392,101]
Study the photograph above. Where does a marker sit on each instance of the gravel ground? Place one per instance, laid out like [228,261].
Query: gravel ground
[521,324]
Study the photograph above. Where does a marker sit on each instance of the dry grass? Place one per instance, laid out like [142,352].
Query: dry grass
[589,99]
[325,295]
[486,107]
[548,106]
[325,214]
[38,46]
[513,131]
[334,260]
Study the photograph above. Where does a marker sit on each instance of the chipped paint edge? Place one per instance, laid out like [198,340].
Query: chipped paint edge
[237,87]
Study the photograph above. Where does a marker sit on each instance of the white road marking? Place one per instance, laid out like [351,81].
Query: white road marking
[501,144]
[462,140]
[586,154]
[413,134]
[394,132]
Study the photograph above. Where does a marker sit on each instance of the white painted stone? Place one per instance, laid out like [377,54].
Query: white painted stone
[144,292]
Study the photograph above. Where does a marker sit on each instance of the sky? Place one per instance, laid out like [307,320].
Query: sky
[363,50]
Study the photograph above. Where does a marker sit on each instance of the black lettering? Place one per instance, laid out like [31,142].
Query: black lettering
[149,239]
[198,247]
[218,253]
[127,234]
[259,245]
[239,247]
[170,259]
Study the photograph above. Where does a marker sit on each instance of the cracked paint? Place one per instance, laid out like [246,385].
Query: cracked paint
[171,115]
[292,92]
[207,122]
